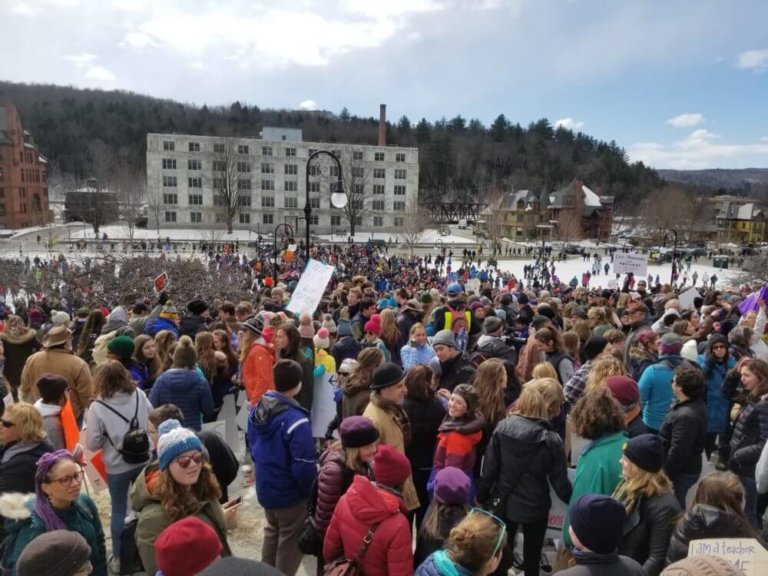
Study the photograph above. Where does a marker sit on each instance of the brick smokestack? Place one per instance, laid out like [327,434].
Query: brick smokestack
[382,125]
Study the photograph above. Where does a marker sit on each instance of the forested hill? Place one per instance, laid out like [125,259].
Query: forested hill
[459,158]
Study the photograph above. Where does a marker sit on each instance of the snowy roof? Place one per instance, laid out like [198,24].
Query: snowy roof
[590,198]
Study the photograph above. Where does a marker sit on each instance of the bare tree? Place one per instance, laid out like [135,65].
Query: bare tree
[356,181]
[494,215]
[102,166]
[155,206]
[415,221]
[130,186]
[664,209]
[231,181]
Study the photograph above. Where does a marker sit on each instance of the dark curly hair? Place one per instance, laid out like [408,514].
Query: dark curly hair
[597,414]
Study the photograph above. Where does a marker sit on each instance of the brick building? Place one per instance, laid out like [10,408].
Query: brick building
[23,175]
[577,212]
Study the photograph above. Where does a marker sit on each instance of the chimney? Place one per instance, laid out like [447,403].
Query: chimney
[382,125]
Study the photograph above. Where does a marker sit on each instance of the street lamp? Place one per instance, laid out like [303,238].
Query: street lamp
[289,232]
[674,254]
[338,198]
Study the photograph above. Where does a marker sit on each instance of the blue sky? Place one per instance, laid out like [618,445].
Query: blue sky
[678,84]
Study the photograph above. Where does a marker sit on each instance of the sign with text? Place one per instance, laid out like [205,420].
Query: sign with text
[472,285]
[687,298]
[558,511]
[311,287]
[161,282]
[630,262]
[745,553]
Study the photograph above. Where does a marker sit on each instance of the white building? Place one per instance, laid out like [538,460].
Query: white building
[183,171]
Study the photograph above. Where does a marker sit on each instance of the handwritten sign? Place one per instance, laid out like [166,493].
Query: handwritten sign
[686,298]
[745,553]
[472,285]
[311,287]
[624,263]
[161,282]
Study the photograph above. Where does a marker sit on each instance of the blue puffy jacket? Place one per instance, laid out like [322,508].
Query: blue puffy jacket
[411,355]
[283,451]
[439,564]
[718,407]
[155,324]
[188,390]
[656,394]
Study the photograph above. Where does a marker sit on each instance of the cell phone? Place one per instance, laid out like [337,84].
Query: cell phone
[235,502]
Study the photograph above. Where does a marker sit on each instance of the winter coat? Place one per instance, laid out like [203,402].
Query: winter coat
[456,442]
[656,390]
[153,519]
[63,363]
[761,471]
[593,564]
[191,325]
[391,434]
[333,480]
[425,417]
[440,564]
[54,430]
[106,429]
[17,349]
[116,319]
[345,347]
[457,370]
[411,355]
[523,458]
[82,517]
[684,433]
[647,531]
[305,395]
[494,347]
[636,427]
[355,397]
[704,521]
[188,390]
[283,451]
[155,324]
[365,504]
[639,360]
[750,431]
[224,462]
[18,464]
[256,371]
[405,321]
[598,471]
[718,407]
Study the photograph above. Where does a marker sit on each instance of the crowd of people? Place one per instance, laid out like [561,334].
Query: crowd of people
[456,416]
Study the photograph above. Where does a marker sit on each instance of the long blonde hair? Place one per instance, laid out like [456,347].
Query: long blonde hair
[489,382]
[389,332]
[604,367]
[541,398]
[544,370]
[641,483]
[164,341]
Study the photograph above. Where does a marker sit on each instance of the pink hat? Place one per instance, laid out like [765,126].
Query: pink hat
[321,339]
[306,330]
[373,327]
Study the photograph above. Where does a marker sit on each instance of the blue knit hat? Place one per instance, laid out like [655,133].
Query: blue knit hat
[174,441]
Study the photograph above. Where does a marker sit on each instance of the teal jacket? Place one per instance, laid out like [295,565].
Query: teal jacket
[598,471]
[82,517]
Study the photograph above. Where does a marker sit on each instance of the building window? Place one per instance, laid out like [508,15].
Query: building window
[291,169]
[267,168]
[290,202]
[194,165]
[219,200]
[357,155]
[169,146]
[378,188]
[266,150]
[196,217]
[314,202]
[399,189]
[400,173]
[195,199]
[378,205]
[291,186]
[379,173]
[267,218]
[399,221]
[358,220]
[244,184]
[169,163]
[170,216]
[334,171]
[169,181]
[335,220]
[314,186]
[243,166]
[358,189]
[221,218]
[218,148]
[219,184]
[219,166]
[194,146]
[195,182]
[245,218]
[314,220]
[290,152]
[378,156]
[315,170]
[400,157]
[243,201]
[398,206]
[242,149]
[267,184]
[170,198]
[358,172]
[378,221]
[268,202]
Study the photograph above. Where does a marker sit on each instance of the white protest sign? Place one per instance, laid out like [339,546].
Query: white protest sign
[323,406]
[687,297]
[745,553]
[558,511]
[624,263]
[311,287]
[229,415]
[472,285]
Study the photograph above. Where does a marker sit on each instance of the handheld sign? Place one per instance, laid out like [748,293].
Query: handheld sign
[624,263]
[161,282]
[746,554]
[311,287]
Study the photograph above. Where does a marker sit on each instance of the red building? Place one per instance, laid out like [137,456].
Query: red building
[577,212]
[23,175]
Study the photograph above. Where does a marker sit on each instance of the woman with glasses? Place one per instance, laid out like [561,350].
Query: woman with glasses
[473,548]
[524,457]
[23,443]
[180,484]
[58,505]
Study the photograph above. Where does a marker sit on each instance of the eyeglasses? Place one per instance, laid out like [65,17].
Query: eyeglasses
[7,423]
[67,481]
[344,373]
[185,461]
[721,346]
[497,520]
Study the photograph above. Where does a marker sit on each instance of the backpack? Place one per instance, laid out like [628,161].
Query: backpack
[135,446]
[458,322]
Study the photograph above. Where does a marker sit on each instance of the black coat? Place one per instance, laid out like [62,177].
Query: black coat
[647,530]
[704,521]
[684,433]
[637,427]
[523,458]
[425,418]
[750,432]
[591,564]
[191,325]
[223,460]
[458,370]
[17,474]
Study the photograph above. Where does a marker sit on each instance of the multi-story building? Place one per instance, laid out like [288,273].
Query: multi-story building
[577,212]
[520,215]
[741,220]
[187,173]
[23,175]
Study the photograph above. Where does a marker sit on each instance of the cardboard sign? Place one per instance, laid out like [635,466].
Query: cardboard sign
[472,285]
[624,263]
[687,297]
[161,282]
[311,287]
[745,553]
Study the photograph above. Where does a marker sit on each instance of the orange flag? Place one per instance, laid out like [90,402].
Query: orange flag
[98,464]
[69,424]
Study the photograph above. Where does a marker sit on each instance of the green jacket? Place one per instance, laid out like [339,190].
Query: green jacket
[153,519]
[82,517]
[597,472]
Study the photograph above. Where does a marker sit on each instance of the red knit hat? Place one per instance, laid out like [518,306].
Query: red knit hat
[188,546]
[373,327]
[390,467]
[623,389]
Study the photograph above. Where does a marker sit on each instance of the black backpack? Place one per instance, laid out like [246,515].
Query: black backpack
[135,446]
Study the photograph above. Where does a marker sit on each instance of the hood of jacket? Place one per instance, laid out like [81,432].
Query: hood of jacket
[439,564]
[22,337]
[190,324]
[372,504]
[704,521]
[47,409]
[529,433]
[492,345]
[264,416]
[469,424]
[352,386]
[141,495]
[16,448]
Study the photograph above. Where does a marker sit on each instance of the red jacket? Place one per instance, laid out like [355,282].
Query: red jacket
[456,443]
[256,372]
[365,504]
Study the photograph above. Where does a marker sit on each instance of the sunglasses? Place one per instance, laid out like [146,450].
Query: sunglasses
[721,346]
[497,520]
[344,373]
[185,461]
[67,481]
[7,423]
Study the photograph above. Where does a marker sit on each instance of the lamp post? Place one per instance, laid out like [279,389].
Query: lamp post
[338,198]
[289,232]
[674,253]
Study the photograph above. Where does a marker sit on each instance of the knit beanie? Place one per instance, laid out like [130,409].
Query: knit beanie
[234,566]
[390,467]
[197,307]
[169,311]
[445,338]
[372,327]
[55,553]
[344,328]
[174,441]
[469,395]
[386,375]
[451,486]
[598,521]
[322,339]
[624,390]
[690,351]
[287,374]
[491,324]
[670,344]
[329,324]
[593,347]
[121,346]
[306,330]
[703,566]
[347,365]
[646,451]
[59,318]
[186,547]
[357,431]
